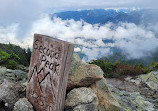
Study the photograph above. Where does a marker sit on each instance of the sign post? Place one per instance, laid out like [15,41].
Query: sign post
[48,73]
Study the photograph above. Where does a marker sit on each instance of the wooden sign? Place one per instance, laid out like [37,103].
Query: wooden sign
[48,73]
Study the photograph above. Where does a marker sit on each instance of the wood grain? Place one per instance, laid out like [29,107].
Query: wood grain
[48,73]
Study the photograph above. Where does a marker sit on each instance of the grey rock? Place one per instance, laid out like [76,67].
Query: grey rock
[82,74]
[14,75]
[10,92]
[106,99]
[126,85]
[150,79]
[86,107]
[81,99]
[3,70]
[138,84]
[23,68]
[132,101]
[23,105]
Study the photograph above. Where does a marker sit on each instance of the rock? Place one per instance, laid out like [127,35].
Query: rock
[151,79]
[136,81]
[82,74]
[23,105]
[23,68]
[3,70]
[81,99]
[132,101]
[124,85]
[137,84]
[14,75]
[107,101]
[86,107]
[10,92]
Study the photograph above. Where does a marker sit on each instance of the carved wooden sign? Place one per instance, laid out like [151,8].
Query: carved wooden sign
[48,73]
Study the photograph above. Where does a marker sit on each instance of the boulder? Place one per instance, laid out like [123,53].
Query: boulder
[10,92]
[82,74]
[81,99]
[23,68]
[14,75]
[107,101]
[23,105]
[3,70]
[132,101]
[141,84]
[150,79]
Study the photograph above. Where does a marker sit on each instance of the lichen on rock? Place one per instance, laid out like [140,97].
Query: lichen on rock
[132,101]
[151,79]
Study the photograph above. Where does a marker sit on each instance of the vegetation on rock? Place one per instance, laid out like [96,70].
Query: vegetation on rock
[118,68]
[10,61]
[12,55]
[23,54]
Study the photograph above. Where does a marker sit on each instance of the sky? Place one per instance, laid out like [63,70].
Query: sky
[25,12]
[20,19]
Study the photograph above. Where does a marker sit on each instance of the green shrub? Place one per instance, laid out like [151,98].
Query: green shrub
[136,65]
[106,66]
[4,56]
[9,61]
[11,64]
[23,54]
[146,70]
[119,69]
[111,75]
[126,69]
[155,65]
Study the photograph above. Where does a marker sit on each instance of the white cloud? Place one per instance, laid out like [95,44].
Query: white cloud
[25,12]
[77,49]
[9,34]
[134,40]
[93,53]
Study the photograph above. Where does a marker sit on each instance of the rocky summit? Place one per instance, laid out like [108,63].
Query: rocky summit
[87,90]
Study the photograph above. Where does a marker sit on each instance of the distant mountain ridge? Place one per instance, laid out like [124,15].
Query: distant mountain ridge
[103,16]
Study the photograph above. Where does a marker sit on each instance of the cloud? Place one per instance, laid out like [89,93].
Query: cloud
[24,13]
[96,52]
[77,49]
[21,19]
[9,34]
[135,41]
